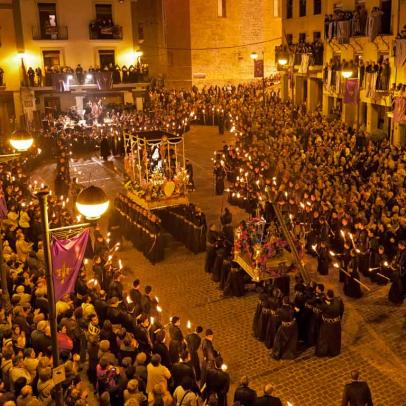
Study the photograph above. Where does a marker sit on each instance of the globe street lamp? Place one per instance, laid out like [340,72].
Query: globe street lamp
[92,202]
[282,61]
[21,140]
[346,73]
[254,57]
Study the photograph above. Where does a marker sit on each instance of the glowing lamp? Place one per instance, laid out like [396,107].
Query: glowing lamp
[21,140]
[282,61]
[254,56]
[92,203]
[346,73]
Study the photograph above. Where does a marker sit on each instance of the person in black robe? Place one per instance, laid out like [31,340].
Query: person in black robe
[314,304]
[378,269]
[400,263]
[329,339]
[217,382]
[362,249]
[244,395]
[211,248]
[323,259]
[351,287]
[273,321]
[209,354]
[263,297]
[285,344]
[160,348]
[176,343]
[105,148]
[220,175]
[234,285]
[395,294]
[193,341]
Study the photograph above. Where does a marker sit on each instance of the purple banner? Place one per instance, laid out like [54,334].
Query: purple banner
[3,205]
[351,91]
[67,258]
[104,80]
[258,68]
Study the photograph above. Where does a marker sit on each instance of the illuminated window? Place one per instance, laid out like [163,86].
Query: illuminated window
[51,59]
[221,8]
[106,58]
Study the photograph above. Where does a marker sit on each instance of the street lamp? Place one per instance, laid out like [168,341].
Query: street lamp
[254,56]
[21,140]
[92,202]
[282,61]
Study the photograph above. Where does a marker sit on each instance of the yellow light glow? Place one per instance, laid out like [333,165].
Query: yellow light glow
[92,211]
[282,61]
[346,74]
[254,55]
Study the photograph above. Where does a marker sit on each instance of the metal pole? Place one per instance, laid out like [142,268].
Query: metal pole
[358,108]
[43,203]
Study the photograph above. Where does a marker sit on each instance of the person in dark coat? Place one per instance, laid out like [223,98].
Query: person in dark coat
[285,343]
[105,148]
[161,348]
[211,248]
[176,344]
[329,339]
[244,395]
[217,382]
[209,353]
[356,393]
[323,259]
[193,341]
[268,399]
[182,370]
[220,175]
[351,287]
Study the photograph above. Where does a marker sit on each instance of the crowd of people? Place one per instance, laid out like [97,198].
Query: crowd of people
[134,73]
[343,24]
[340,193]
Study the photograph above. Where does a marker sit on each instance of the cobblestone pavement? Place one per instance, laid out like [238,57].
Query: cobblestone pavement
[374,332]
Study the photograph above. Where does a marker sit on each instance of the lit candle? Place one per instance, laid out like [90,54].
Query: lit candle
[189,324]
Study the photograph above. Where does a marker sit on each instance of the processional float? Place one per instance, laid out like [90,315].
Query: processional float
[155,166]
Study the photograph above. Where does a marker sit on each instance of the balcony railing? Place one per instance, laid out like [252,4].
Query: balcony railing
[97,31]
[59,32]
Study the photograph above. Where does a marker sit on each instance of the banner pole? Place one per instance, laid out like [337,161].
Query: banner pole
[43,203]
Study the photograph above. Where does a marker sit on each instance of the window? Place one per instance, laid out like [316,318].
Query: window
[276,8]
[316,7]
[386,7]
[289,9]
[221,8]
[302,37]
[104,11]
[47,20]
[316,35]
[140,31]
[51,58]
[289,39]
[302,8]
[106,57]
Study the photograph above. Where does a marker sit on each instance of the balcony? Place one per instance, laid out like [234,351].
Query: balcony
[99,32]
[59,32]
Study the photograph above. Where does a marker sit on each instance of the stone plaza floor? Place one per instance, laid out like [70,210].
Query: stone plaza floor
[374,331]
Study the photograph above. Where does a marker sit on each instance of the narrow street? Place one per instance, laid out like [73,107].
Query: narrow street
[373,330]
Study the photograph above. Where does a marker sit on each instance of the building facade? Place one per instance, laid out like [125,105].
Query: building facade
[51,35]
[355,35]
[197,42]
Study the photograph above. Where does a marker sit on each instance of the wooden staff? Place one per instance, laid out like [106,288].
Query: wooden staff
[383,276]
[349,275]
